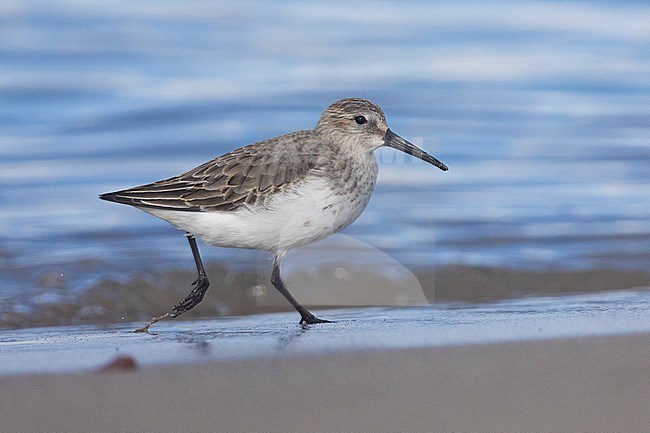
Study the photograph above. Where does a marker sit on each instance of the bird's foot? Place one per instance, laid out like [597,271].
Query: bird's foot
[190,301]
[310,319]
[146,327]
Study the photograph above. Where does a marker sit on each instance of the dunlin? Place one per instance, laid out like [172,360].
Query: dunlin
[277,194]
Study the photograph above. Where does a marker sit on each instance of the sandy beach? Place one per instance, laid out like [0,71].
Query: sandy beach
[576,364]
[578,385]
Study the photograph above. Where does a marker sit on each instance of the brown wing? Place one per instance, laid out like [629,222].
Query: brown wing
[248,175]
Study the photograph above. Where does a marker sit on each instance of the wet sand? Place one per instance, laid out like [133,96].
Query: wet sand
[575,364]
[578,385]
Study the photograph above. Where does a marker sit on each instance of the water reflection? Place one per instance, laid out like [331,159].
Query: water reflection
[354,330]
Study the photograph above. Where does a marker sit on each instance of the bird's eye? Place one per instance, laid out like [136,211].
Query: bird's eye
[360,120]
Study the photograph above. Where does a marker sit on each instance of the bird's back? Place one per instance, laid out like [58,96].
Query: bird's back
[249,175]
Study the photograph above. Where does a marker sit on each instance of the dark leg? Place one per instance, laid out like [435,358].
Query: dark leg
[202,283]
[306,316]
[190,301]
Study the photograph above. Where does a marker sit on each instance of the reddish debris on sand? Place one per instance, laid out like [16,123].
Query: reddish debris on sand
[120,364]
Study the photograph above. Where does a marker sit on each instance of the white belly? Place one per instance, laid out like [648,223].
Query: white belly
[297,217]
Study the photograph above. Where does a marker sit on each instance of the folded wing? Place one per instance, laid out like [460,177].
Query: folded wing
[249,175]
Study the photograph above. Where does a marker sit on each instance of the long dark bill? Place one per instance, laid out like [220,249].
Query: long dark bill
[396,142]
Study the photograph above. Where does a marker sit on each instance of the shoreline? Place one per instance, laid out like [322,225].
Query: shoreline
[234,293]
[567,384]
[353,329]
[568,363]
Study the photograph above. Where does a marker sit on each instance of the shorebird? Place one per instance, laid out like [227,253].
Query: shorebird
[277,194]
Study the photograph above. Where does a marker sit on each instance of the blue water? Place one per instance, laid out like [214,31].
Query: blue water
[541,111]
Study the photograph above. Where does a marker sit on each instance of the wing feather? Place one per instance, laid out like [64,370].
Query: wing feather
[244,176]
